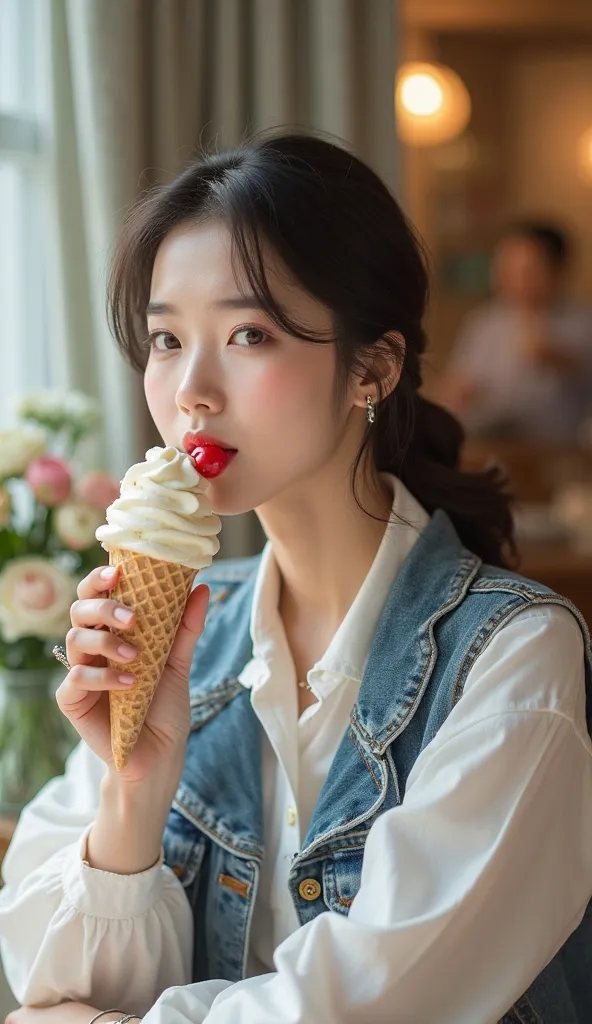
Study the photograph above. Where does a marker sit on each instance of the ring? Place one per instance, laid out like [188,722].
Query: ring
[60,655]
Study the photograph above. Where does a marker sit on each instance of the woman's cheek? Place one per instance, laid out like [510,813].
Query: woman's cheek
[277,390]
[161,403]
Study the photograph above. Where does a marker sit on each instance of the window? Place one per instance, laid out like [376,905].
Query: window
[23,187]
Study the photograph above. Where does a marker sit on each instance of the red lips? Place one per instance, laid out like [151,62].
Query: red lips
[209,455]
[210,460]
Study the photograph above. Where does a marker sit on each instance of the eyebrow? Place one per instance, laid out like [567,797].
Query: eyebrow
[232,302]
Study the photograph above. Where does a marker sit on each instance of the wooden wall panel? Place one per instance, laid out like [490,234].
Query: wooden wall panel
[470,15]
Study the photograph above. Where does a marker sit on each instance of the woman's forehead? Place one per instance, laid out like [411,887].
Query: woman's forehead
[195,264]
[194,255]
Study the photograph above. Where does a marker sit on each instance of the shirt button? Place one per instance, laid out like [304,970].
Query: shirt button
[309,889]
[291,816]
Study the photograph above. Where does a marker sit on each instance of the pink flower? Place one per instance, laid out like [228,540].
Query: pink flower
[35,599]
[98,489]
[50,480]
[34,592]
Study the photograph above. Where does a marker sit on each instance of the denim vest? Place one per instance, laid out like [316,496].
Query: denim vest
[441,612]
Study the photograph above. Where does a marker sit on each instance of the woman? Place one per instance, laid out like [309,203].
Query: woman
[376,804]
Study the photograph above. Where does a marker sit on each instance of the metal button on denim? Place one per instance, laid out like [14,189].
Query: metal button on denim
[309,889]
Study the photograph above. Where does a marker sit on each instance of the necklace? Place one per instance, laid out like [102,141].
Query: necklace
[305,685]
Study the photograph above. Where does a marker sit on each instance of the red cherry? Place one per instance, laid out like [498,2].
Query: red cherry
[210,460]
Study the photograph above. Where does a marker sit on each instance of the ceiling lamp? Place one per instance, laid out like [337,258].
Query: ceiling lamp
[432,104]
[585,156]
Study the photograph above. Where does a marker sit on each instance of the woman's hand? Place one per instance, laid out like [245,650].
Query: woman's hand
[65,1013]
[83,696]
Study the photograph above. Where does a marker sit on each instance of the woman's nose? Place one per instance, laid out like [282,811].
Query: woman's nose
[199,390]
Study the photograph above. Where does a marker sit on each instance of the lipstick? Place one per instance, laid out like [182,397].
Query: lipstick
[209,455]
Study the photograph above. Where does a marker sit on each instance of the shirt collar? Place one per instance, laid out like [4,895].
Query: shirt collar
[349,649]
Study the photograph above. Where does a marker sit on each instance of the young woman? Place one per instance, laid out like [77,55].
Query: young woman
[366,794]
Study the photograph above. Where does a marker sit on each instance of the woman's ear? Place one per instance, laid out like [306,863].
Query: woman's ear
[383,365]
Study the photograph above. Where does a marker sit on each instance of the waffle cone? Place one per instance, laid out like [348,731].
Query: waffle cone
[158,593]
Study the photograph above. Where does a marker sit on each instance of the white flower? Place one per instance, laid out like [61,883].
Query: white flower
[82,411]
[18,448]
[35,599]
[58,409]
[5,507]
[75,524]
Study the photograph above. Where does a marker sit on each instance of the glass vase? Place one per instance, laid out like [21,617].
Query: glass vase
[34,738]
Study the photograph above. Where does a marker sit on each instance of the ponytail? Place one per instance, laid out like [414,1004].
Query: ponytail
[427,461]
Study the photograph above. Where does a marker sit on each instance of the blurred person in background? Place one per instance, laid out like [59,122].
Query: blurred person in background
[522,364]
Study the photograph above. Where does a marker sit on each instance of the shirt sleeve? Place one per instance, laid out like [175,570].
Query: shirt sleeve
[473,884]
[474,348]
[570,330]
[70,932]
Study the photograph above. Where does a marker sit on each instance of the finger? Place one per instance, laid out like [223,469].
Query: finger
[189,631]
[98,581]
[101,612]
[84,679]
[77,704]
[82,644]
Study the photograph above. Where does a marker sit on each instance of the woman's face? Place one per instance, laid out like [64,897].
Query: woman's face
[218,364]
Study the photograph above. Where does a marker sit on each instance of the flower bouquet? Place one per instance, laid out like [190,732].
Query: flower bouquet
[48,518]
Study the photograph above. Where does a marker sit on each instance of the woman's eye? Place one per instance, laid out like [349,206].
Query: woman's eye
[162,341]
[248,337]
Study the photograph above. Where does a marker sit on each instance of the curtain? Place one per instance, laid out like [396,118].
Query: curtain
[140,86]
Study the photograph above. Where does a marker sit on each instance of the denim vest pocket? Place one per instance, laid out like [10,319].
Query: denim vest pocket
[184,848]
[341,878]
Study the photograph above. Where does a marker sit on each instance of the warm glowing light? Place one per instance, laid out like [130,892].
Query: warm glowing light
[421,95]
[432,104]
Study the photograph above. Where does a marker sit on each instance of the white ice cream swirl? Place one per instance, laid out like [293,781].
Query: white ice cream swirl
[162,512]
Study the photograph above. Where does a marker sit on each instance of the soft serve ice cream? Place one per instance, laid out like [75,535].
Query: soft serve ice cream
[162,512]
[159,533]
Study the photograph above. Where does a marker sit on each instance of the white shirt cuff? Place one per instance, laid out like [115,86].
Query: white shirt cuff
[104,894]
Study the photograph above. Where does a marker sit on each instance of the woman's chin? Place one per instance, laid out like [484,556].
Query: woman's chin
[227,502]
[234,494]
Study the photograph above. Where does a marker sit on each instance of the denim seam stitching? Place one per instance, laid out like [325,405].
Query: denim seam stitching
[501,618]
[322,853]
[472,565]
[535,599]
[212,833]
[365,759]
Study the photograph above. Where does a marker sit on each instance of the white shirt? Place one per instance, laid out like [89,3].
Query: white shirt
[298,752]
[468,888]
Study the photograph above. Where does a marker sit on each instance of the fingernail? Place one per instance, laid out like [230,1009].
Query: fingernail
[108,572]
[126,651]
[127,678]
[123,615]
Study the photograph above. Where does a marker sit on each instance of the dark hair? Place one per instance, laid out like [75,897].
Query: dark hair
[551,239]
[342,235]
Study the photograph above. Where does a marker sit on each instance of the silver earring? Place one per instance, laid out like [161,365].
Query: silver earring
[371,409]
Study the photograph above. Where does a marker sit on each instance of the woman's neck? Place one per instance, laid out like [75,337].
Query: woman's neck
[324,545]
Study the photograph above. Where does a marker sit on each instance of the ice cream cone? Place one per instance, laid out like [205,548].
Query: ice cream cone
[160,532]
[158,592]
